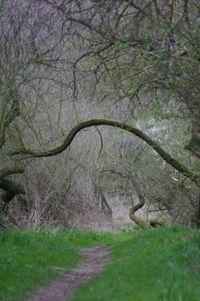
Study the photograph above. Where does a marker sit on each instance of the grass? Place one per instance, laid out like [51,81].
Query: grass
[153,265]
[29,259]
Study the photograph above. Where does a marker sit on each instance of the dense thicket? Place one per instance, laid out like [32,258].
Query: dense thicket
[135,65]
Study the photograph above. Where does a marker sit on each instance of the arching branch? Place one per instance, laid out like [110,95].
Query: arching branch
[126,127]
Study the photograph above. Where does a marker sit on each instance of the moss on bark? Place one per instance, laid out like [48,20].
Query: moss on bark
[98,122]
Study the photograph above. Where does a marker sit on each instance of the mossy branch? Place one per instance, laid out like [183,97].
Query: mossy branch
[136,219]
[23,146]
[11,171]
[98,122]
[11,186]
[132,212]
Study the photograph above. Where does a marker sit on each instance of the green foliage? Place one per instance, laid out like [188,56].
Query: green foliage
[163,27]
[153,265]
[124,43]
[156,109]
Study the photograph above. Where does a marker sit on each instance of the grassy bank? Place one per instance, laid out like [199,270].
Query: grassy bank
[154,265]
[29,259]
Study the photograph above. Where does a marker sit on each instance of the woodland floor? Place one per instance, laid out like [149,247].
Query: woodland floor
[93,262]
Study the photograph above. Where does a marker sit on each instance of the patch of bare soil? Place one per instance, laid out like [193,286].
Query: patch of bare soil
[92,264]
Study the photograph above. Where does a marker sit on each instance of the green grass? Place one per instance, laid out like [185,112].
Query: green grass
[153,265]
[29,259]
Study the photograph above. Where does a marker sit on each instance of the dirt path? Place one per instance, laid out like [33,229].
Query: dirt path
[91,265]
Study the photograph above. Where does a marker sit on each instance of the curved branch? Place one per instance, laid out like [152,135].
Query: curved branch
[11,186]
[132,211]
[97,122]
[101,142]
